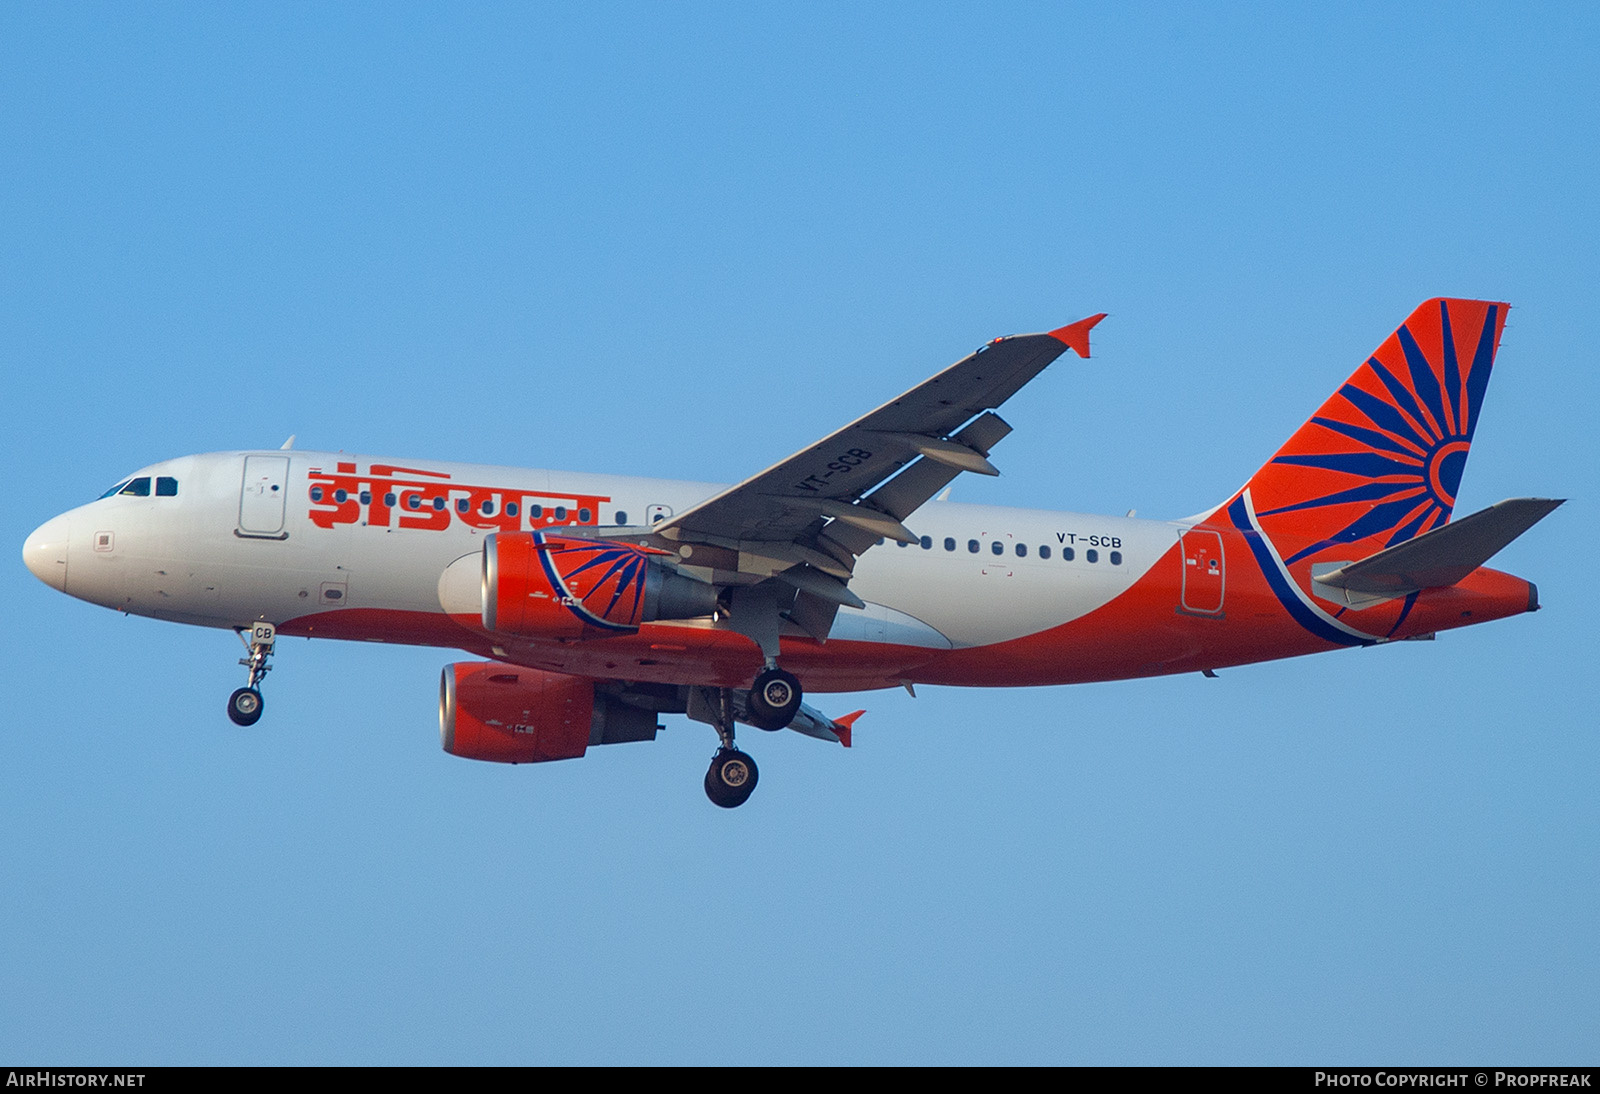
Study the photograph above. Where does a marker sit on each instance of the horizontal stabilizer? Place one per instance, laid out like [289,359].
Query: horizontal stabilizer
[1443,556]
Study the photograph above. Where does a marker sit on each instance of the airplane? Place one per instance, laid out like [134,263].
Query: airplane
[594,604]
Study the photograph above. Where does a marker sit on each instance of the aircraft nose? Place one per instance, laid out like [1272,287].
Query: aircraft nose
[45,552]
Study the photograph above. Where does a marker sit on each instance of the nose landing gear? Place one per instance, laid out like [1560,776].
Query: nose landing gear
[245,704]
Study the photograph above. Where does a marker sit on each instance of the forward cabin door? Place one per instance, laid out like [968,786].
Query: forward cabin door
[262,496]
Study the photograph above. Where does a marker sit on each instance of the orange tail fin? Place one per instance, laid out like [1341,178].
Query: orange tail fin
[1382,459]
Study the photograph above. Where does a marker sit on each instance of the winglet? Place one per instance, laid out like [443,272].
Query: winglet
[841,726]
[1075,336]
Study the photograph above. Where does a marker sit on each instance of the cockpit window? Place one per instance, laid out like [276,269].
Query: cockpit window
[166,487]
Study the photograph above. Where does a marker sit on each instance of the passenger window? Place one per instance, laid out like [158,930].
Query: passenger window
[1022,550]
[561,512]
[388,499]
[511,508]
[487,508]
[463,506]
[166,487]
[972,546]
[438,504]
[1066,554]
[537,512]
[1116,558]
[1091,555]
[340,496]
[366,497]
[997,547]
[583,516]
[413,501]
[927,543]
[949,544]
[622,518]
[1044,552]
[137,488]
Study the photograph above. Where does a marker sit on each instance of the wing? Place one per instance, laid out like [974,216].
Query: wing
[940,421]
[785,541]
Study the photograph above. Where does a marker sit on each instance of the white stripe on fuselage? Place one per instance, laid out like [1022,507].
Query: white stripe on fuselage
[182,557]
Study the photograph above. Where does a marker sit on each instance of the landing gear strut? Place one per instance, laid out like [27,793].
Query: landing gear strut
[245,704]
[733,774]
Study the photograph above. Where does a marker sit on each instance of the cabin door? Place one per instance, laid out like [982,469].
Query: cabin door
[262,495]
[1204,572]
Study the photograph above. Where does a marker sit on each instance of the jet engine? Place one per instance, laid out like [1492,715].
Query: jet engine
[510,714]
[551,586]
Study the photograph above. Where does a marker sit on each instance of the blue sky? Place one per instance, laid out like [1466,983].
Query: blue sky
[687,241]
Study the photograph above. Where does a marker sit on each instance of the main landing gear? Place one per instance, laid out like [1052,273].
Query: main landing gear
[774,698]
[245,704]
[771,703]
[732,777]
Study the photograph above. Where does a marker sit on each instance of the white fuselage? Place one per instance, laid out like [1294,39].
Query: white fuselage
[244,538]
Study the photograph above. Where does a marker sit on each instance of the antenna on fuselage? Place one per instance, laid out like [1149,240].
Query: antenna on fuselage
[288,444]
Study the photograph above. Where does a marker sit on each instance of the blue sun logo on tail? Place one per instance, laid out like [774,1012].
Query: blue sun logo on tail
[1410,433]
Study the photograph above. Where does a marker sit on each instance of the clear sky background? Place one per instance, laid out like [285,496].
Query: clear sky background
[686,241]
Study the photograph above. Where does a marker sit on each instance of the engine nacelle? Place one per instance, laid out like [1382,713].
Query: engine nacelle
[513,715]
[510,714]
[551,586]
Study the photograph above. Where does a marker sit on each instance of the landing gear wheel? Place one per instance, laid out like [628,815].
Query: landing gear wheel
[774,699]
[732,778]
[244,706]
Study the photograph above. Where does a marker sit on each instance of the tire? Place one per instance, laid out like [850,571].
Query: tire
[732,778]
[774,699]
[245,706]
